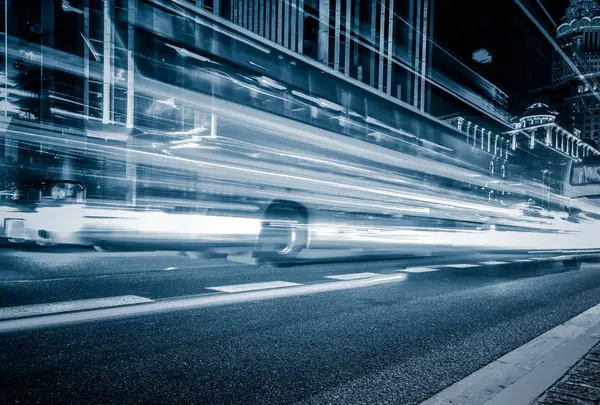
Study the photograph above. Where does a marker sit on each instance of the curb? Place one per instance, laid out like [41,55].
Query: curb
[521,376]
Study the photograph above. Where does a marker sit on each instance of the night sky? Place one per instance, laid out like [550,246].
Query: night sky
[521,54]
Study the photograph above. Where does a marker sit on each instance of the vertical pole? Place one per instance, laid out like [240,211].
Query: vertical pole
[429,53]
[267,12]
[286,23]
[273,22]
[234,11]
[373,39]
[6,58]
[107,64]
[348,35]
[323,45]
[514,142]
[280,22]
[130,65]
[425,39]
[293,32]
[417,28]
[411,28]
[261,18]
[381,45]
[250,15]
[198,115]
[300,26]
[336,42]
[356,31]
[255,28]
[86,59]
[390,48]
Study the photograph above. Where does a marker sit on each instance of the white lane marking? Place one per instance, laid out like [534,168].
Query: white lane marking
[235,288]
[523,260]
[461,266]
[195,302]
[418,270]
[68,306]
[126,273]
[353,276]
[493,263]
[520,376]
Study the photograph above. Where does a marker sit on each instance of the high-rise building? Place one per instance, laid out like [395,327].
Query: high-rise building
[576,66]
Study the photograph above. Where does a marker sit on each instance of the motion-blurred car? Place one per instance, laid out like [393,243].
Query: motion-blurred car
[45,213]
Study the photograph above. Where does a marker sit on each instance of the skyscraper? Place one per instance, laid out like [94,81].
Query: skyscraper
[577,65]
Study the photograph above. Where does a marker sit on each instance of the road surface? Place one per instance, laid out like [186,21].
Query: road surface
[310,334]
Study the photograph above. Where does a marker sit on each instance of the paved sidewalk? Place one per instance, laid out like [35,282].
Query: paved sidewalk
[579,386]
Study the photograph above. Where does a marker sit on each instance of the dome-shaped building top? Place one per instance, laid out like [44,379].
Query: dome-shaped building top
[536,114]
[539,110]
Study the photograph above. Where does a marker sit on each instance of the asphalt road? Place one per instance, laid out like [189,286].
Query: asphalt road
[396,342]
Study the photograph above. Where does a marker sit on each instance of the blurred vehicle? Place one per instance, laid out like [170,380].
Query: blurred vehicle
[280,189]
[44,212]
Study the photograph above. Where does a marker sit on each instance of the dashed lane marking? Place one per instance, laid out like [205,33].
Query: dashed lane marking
[210,300]
[493,263]
[234,288]
[70,306]
[418,270]
[353,276]
[462,266]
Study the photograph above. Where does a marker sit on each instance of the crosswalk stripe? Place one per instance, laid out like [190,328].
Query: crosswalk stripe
[461,266]
[253,286]
[353,276]
[418,270]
